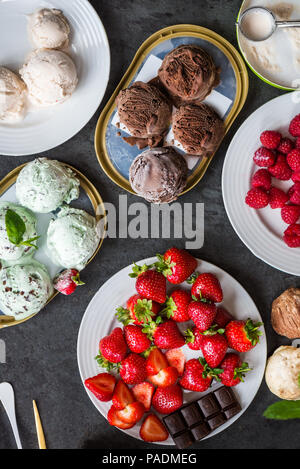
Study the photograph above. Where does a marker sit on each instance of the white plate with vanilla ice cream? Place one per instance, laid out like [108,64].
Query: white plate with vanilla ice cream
[59,55]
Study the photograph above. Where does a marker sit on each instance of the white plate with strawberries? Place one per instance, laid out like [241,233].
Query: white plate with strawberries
[143,377]
[264,153]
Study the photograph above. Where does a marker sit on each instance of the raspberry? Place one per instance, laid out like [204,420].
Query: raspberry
[293,159]
[271,139]
[294,193]
[294,128]
[264,157]
[278,198]
[262,178]
[298,143]
[292,236]
[296,176]
[281,169]
[286,146]
[257,198]
[290,214]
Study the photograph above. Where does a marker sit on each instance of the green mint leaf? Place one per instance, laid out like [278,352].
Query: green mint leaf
[299,380]
[29,242]
[283,410]
[15,227]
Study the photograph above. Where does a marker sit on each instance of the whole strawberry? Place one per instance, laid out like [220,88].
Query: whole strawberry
[136,340]
[176,264]
[112,348]
[193,338]
[206,286]
[133,369]
[257,198]
[243,336]
[139,311]
[165,335]
[223,317]
[167,400]
[197,376]
[150,284]
[294,127]
[202,313]
[293,159]
[262,178]
[264,157]
[67,281]
[278,198]
[290,214]
[234,370]
[270,139]
[176,307]
[292,236]
[214,347]
[281,170]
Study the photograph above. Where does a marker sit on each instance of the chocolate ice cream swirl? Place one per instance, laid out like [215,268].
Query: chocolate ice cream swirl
[188,72]
[144,110]
[198,128]
[159,174]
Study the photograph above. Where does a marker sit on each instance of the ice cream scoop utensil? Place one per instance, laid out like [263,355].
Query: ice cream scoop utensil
[39,427]
[7,397]
[264,24]
[296,343]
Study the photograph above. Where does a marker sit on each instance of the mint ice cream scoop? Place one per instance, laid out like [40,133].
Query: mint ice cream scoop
[43,185]
[13,251]
[72,238]
[24,289]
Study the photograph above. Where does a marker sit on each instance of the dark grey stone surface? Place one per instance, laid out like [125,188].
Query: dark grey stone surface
[41,354]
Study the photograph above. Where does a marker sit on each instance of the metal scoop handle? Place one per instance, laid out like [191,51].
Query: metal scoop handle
[288,24]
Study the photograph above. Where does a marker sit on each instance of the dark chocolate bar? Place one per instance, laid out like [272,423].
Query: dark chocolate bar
[197,419]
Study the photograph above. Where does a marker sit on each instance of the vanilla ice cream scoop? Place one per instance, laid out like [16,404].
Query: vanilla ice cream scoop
[283,373]
[12,96]
[49,28]
[43,185]
[50,76]
[72,238]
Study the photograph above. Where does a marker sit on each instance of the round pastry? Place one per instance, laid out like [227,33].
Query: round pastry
[144,110]
[283,371]
[12,96]
[285,315]
[43,185]
[49,28]
[198,128]
[8,250]
[189,72]
[24,289]
[159,174]
[72,238]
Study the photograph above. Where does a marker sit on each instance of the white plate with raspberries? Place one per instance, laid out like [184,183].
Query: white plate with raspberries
[100,320]
[261,183]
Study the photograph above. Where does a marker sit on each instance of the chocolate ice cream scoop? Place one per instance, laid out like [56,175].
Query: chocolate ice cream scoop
[285,314]
[159,174]
[198,128]
[144,110]
[189,73]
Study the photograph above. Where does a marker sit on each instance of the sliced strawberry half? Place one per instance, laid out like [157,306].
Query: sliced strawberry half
[153,429]
[132,413]
[115,421]
[165,377]
[143,393]
[176,358]
[122,395]
[102,386]
[156,361]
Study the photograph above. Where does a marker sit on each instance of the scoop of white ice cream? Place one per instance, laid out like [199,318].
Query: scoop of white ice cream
[283,372]
[12,96]
[50,76]
[72,238]
[24,289]
[43,185]
[49,28]
[8,250]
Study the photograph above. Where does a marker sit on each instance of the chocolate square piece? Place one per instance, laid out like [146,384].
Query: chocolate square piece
[209,405]
[225,397]
[216,421]
[232,411]
[191,414]
[184,440]
[175,423]
[200,431]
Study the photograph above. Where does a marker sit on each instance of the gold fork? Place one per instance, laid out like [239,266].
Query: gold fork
[39,427]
